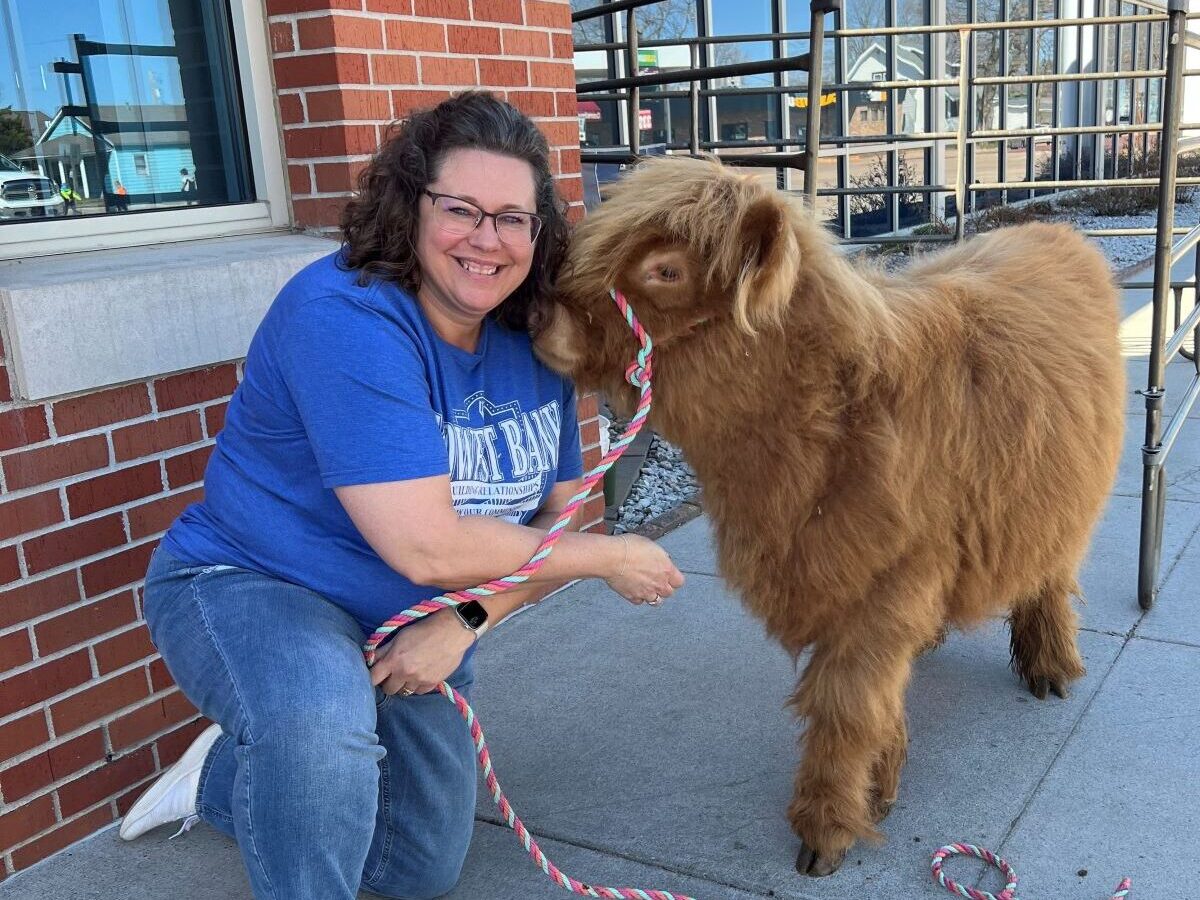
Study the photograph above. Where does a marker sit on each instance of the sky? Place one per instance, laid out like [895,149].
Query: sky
[35,33]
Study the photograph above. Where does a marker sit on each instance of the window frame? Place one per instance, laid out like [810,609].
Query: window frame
[270,212]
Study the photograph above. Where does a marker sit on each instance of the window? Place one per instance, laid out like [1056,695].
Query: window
[134,122]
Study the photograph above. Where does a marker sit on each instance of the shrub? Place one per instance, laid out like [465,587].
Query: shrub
[877,176]
[1124,200]
[1003,216]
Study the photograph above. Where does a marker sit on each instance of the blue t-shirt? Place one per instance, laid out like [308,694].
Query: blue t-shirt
[348,384]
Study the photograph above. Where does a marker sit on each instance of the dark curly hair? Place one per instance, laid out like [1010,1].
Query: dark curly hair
[379,224]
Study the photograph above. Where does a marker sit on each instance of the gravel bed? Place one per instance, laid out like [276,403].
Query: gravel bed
[1123,252]
[666,480]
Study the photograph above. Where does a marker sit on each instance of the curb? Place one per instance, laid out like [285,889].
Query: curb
[667,522]
[1120,276]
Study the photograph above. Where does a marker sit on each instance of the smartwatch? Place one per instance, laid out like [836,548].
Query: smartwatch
[473,616]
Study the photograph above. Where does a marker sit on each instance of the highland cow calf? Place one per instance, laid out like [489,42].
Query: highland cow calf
[882,456]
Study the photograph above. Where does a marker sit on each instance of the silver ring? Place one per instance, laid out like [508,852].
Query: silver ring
[656,601]
[405,692]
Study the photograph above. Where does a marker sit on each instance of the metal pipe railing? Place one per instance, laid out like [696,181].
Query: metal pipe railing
[707,73]
[1153,452]
[1182,332]
[1046,184]
[607,9]
[816,72]
[1012,25]
[758,160]
[633,83]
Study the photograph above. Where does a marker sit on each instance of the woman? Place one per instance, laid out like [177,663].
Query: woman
[393,433]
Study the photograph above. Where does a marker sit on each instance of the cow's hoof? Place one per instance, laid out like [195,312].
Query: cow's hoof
[811,863]
[881,808]
[1040,686]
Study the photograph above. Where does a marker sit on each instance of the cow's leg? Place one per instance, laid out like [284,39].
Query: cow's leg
[852,696]
[885,774]
[1043,632]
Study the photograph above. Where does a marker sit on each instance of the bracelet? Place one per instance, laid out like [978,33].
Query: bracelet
[625,557]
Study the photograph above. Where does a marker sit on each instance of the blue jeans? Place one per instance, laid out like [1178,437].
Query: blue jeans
[326,783]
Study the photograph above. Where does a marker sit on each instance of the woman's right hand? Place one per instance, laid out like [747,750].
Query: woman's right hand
[646,574]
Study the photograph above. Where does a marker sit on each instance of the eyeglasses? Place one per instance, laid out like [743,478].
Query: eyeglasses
[457,216]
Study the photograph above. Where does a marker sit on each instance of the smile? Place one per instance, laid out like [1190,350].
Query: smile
[477,268]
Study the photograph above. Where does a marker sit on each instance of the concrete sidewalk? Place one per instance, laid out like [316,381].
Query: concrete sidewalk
[651,748]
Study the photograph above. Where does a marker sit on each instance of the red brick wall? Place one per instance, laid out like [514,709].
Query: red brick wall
[88,712]
[345,68]
[87,709]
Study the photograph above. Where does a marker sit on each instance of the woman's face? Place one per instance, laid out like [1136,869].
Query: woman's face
[465,277]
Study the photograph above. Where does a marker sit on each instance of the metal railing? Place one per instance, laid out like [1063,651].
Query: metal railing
[628,88]
[1167,292]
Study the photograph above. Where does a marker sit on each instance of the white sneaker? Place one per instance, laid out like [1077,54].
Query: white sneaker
[173,796]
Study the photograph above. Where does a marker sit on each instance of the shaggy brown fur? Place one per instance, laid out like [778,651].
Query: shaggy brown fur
[881,456]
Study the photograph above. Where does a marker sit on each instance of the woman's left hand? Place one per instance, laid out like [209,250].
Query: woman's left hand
[422,655]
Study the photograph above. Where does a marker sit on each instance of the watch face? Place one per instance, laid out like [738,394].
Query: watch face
[473,613]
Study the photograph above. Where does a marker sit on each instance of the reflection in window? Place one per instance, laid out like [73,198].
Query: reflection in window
[869,213]
[670,120]
[912,12]
[745,17]
[747,117]
[676,58]
[1019,40]
[729,54]
[797,103]
[827,177]
[599,123]
[866,62]
[667,19]
[912,62]
[911,169]
[1018,106]
[589,31]
[1044,160]
[125,105]
[1017,162]
[986,169]
[829,61]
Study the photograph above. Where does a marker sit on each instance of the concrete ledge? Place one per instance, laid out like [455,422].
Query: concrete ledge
[83,321]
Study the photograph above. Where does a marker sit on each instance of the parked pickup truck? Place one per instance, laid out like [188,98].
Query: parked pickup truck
[27,195]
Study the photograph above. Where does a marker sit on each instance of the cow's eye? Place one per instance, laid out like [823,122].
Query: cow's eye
[667,273]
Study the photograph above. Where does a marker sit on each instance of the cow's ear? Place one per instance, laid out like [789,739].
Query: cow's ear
[771,263]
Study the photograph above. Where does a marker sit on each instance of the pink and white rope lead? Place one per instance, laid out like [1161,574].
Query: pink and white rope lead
[1010,888]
